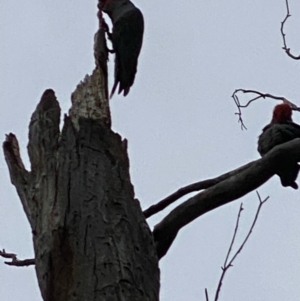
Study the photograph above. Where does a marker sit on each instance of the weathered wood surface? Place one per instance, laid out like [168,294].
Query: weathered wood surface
[90,237]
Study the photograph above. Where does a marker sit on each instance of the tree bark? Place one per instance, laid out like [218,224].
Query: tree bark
[91,240]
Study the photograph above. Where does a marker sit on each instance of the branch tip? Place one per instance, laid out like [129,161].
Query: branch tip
[15,261]
[287,50]
[229,263]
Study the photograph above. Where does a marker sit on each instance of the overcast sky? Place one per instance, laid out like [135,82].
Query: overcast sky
[180,123]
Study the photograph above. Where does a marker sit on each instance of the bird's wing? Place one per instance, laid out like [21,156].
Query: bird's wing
[275,134]
[127,41]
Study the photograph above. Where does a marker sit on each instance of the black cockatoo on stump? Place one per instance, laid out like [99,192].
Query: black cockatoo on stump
[127,39]
[280,130]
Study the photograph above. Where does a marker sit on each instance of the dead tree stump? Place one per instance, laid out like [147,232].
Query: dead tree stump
[90,237]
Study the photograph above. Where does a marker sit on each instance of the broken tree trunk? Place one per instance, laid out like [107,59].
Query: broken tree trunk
[90,237]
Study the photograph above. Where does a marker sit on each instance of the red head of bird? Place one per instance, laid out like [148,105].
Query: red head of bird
[282,113]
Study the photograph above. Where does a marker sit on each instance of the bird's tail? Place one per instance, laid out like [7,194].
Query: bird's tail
[113,89]
[288,175]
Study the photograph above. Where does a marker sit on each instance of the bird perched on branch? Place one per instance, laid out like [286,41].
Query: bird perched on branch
[127,39]
[280,130]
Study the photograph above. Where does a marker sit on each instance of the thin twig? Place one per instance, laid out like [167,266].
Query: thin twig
[285,48]
[7,255]
[261,202]
[227,264]
[234,234]
[257,96]
[239,113]
[15,261]
[206,295]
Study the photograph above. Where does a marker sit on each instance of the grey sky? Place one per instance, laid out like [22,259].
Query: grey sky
[180,123]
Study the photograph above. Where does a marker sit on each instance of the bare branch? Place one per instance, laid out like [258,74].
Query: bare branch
[222,193]
[257,96]
[101,49]
[234,234]
[21,263]
[227,264]
[239,113]
[206,295]
[15,261]
[191,188]
[285,48]
[7,255]
[19,176]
